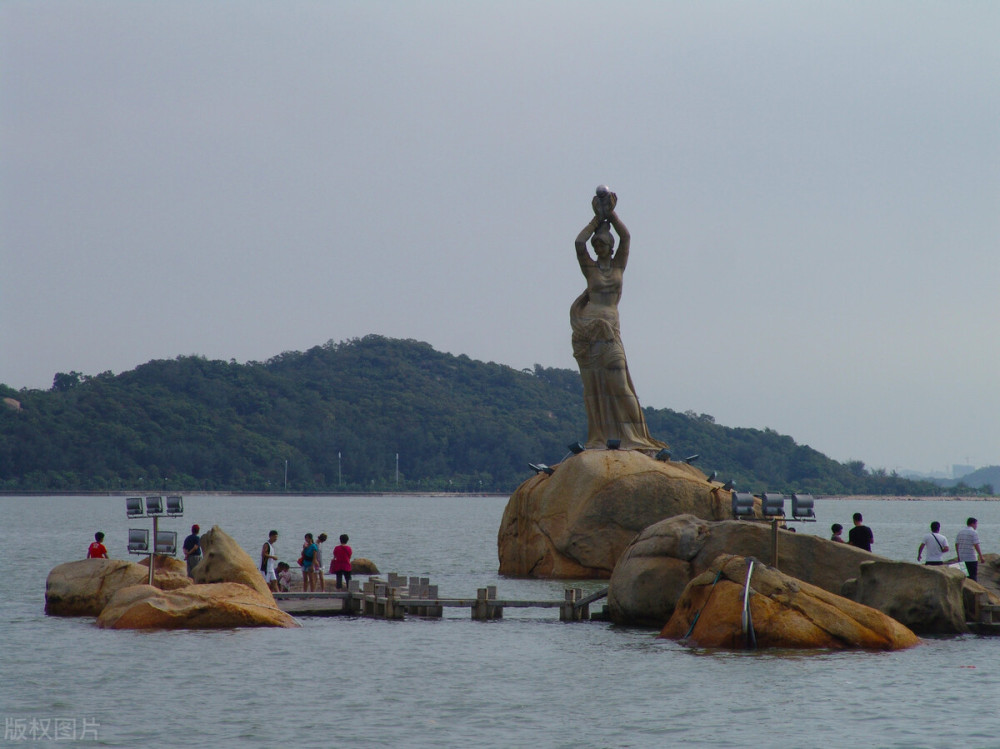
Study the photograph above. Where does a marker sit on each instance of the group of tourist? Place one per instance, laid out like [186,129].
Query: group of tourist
[278,574]
[966,547]
[934,543]
[860,535]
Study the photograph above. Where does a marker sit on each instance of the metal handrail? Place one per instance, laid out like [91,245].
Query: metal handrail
[749,636]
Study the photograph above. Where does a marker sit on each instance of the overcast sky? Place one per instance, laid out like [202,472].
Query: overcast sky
[812,189]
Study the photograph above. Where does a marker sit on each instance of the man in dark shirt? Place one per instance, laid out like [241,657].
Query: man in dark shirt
[192,549]
[860,535]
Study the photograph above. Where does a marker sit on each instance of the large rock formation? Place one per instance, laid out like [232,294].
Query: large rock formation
[784,613]
[576,522]
[228,591]
[224,561]
[208,606]
[84,587]
[928,600]
[660,561]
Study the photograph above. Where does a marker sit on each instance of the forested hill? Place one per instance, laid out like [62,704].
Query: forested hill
[335,417]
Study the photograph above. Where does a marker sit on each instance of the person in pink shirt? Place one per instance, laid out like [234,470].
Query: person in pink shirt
[340,565]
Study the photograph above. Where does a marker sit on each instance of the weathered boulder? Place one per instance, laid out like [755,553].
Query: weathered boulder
[362,566]
[84,587]
[576,522]
[658,564]
[165,564]
[224,561]
[927,599]
[784,613]
[206,606]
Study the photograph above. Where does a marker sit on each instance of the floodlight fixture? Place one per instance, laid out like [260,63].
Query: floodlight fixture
[691,458]
[154,506]
[138,541]
[166,542]
[772,505]
[802,507]
[175,505]
[711,476]
[542,468]
[614,444]
[133,507]
[728,486]
[742,505]
[663,455]
[576,448]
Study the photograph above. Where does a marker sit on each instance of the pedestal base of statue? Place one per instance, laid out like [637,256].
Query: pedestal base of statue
[574,523]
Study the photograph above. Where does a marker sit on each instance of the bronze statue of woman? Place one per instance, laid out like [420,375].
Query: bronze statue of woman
[613,410]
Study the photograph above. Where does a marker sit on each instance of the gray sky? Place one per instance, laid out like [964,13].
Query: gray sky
[812,189]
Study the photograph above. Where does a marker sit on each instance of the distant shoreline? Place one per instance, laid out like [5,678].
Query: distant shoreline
[276,495]
[209,493]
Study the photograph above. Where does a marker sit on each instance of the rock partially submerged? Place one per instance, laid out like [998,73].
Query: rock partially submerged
[84,587]
[784,613]
[362,566]
[207,606]
[576,522]
[228,591]
[656,567]
[927,599]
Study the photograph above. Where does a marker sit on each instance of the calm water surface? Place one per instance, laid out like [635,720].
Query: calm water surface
[527,680]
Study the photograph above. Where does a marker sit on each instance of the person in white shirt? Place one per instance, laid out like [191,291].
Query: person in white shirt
[967,546]
[936,545]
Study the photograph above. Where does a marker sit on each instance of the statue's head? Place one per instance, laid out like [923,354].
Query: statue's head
[603,240]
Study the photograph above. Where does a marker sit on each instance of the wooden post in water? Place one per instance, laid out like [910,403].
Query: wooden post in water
[567,612]
[482,609]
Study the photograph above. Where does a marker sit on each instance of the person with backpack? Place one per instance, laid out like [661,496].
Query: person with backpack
[309,549]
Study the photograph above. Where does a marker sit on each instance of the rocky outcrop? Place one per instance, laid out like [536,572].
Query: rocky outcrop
[84,587]
[224,561]
[362,566]
[207,606]
[784,613]
[928,600]
[576,522]
[228,591]
[659,563]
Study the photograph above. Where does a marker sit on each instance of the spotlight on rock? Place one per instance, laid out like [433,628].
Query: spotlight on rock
[614,444]
[576,448]
[663,455]
[541,468]
[691,458]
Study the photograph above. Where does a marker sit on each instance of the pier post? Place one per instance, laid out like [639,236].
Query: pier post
[483,610]
[569,611]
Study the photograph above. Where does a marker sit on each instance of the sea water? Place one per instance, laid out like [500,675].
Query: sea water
[526,680]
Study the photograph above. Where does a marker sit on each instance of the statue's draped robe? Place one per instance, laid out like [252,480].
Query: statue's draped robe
[613,410]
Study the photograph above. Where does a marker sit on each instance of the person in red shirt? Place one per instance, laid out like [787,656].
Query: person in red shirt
[97,549]
[341,563]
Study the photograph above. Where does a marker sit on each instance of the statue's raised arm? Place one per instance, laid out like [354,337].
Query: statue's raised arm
[613,410]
